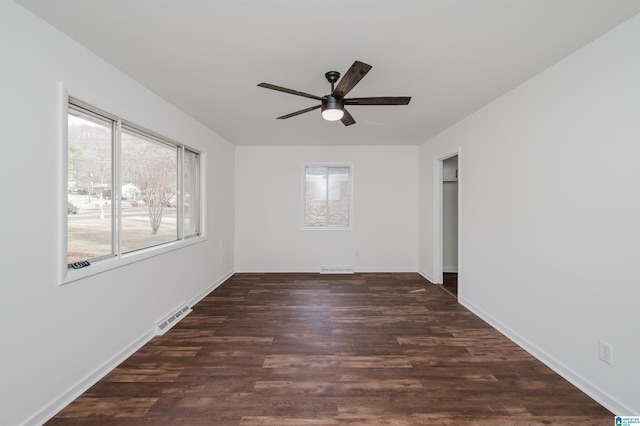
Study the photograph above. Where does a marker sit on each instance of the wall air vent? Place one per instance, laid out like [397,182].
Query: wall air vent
[172,319]
[332,269]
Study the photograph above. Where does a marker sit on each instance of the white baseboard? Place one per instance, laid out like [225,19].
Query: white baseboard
[316,269]
[209,289]
[426,275]
[450,269]
[279,270]
[51,409]
[602,397]
[386,269]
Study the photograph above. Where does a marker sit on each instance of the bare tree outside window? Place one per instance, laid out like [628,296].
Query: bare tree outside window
[151,166]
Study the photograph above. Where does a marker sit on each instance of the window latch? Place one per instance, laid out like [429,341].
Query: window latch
[78,265]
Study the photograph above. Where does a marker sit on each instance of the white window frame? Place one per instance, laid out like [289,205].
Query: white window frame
[100,265]
[304,201]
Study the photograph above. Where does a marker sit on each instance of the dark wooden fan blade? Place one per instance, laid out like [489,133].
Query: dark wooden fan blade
[384,100]
[302,111]
[291,91]
[351,78]
[347,119]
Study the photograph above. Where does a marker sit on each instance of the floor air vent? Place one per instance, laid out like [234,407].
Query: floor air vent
[330,269]
[165,324]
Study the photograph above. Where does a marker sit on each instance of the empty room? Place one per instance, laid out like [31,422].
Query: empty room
[341,212]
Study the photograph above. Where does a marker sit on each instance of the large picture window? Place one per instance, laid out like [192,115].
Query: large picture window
[327,197]
[128,189]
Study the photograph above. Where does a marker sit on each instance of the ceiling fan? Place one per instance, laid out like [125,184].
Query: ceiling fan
[333,105]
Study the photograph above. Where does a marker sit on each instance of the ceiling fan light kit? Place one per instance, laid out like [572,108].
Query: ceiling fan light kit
[332,108]
[332,105]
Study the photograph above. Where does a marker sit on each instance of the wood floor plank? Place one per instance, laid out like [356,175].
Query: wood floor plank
[108,407]
[310,349]
[333,361]
[146,372]
[285,421]
[336,387]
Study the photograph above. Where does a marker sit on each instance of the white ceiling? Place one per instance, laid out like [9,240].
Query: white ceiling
[452,56]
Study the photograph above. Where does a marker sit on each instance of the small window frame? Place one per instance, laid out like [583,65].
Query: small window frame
[303,214]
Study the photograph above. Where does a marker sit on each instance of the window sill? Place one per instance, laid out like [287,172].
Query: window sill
[327,228]
[105,265]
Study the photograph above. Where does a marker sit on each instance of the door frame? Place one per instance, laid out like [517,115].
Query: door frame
[438,203]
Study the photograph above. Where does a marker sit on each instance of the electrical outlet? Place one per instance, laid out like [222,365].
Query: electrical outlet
[605,352]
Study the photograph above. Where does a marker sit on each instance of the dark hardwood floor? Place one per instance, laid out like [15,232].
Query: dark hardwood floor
[298,349]
[450,282]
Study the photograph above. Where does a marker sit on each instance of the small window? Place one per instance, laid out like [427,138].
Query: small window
[128,189]
[327,192]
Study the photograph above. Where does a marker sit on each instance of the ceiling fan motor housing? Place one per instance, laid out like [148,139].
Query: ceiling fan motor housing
[331,102]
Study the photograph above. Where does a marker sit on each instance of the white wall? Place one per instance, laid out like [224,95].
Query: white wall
[269,234]
[550,205]
[56,339]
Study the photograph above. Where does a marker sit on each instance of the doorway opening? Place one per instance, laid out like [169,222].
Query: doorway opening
[447,223]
